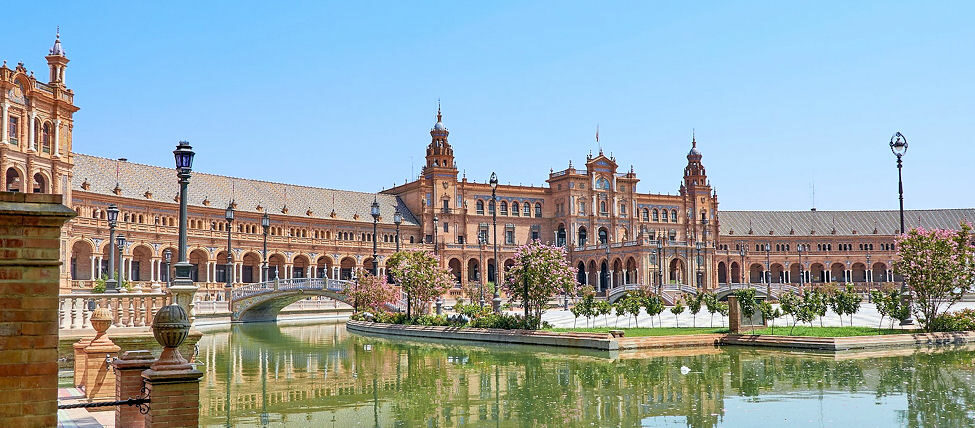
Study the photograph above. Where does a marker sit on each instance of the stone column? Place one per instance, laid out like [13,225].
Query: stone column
[3,126]
[172,383]
[31,142]
[128,384]
[57,138]
[30,228]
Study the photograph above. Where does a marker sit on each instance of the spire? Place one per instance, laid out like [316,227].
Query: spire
[57,49]
[439,116]
[693,139]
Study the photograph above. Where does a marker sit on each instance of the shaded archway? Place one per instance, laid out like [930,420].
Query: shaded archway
[795,273]
[346,265]
[251,269]
[722,273]
[367,266]
[13,180]
[492,271]
[735,273]
[299,267]
[275,267]
[603,235]
[140,265]
[581,273]
[199,260]
[560,236]
[859,272]
[678,271]
[603,275]
[324,267]
[473,270]
[880,272]
[778,273]
[40,184]
[837,272]
[755,273]
[583,235]
[81,261]
[817,272]
[631,273]
[455,267]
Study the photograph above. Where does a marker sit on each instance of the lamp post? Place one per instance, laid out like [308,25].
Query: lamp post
[266,225]
[898,145]
[435,221]
[183,288]
[168,256]
[609,269]
[375,224]
[481,240]
[768,269]
[802,268]
[742,251]
[700,274]
[397,220]
[120,243]
[110,283]
[228,271]
[704,261]
[660,265]
[496,301]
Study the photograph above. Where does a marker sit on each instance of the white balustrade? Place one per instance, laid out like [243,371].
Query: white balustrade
[127,309]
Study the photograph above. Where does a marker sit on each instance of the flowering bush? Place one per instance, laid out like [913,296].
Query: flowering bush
[372,293]
[938,266]
[539,273]
[421,277]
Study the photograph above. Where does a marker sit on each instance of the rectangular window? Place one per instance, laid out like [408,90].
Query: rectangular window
[491,207]
[509,237]
[582,208]
[538,210]
[12,131]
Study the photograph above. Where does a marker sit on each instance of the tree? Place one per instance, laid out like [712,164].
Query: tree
[939,266]
[694,306]
[585,305]
[789,303]
[711,303]
[723,310]
[372,293]
[540,272]
[620,307]
[746,302]
[420,276]
[849,301]
[631,303]
[603,308]
[834,298]
[678,309]
[769,313]
[653,305]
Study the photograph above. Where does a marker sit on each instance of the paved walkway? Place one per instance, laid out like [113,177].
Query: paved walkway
[867,316]
[82,418]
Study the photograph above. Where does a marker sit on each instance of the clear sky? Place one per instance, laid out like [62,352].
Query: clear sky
[342,95]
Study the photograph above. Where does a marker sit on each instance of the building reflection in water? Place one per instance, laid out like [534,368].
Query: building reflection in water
[270,375]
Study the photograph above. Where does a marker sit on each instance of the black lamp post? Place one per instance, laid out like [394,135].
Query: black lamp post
[481,241]
[436,220]
[120,243]
[375,224]
[802,268]
[228,271]
[660,266]
[184,168]
[898,145]
[266,225]
[608,278]
[397,220]
[111,283]
[496,301]
[742,251]
[700,273]
[768,269]
[168,256]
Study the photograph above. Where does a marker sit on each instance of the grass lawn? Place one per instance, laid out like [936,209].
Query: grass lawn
[829,331]
[641,332]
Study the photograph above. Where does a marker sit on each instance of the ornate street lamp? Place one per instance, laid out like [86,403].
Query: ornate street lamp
[496,301]
[742,251]
[768,270]
[481,241]
[183,288]
[375,224]
[397,220]
[168,256]
[229,270]
[802,268]
[898,145]
[700,274]
[111,283]
[266,225]
[608,278]
[120,243]
[660,266]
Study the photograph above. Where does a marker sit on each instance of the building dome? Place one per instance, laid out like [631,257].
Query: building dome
[694,152]
[439,126]
[57,49]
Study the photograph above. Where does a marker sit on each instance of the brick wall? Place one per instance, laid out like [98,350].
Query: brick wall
[30,228]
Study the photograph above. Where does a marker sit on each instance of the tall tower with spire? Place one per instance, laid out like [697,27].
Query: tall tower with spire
[439,153]
[57,61]
[697,193]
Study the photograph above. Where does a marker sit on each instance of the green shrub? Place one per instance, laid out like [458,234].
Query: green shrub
[963,320]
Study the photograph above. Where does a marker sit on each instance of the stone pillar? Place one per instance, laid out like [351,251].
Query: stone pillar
[99,378]
[734,315]
[172,383]
[80,361]
[30,228]
[128,384]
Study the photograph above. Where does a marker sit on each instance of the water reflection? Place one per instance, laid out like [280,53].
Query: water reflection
[320,375]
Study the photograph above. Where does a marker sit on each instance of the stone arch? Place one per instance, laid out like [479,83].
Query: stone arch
[275,266]
[631,272]
[455,269]
[755,273]
[880,272]
[581,273]
[324,265]
[859,272]
[368,264]
[583,236]
[473,269]
[795,273]
[299,266]
[722,273]
[603,234]
[817,273]
[82,251]
[346,267]
[736,273]
[603,283]
[492,270]
[14,179]
[836,272]
[250,270]
[560,235]
[593,278]
[778,273]
[40,183]
[141,263]
[677,271]
[198,257]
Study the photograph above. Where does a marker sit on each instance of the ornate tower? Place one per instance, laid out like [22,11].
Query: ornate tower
[439,152]
[57,62]
[440,184]
[697,194]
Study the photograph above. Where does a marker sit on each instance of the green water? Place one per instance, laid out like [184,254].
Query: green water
[322,376]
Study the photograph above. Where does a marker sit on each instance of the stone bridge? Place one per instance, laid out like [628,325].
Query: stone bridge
[761,290]
[262,301]
[668,293]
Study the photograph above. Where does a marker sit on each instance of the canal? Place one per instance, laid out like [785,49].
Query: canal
[320,375]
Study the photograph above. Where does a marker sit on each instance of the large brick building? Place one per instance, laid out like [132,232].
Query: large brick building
[613,233]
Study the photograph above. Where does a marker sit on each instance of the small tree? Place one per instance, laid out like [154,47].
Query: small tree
[631,305]
[711,303]
[620,309]
[834,299]
[789,303]
[540,272]
[372,293]
[769,313]
[585,305]
[746,302]
[653,305]
[849,301]
[694,306]
[420,276]
[603,308]
[880,301]
[678,309]
[723,310]
[939,267]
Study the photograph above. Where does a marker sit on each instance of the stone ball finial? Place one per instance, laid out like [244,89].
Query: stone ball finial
[170,326]
[101,320]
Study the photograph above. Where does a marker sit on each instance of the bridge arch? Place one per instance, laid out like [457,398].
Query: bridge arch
[263,301]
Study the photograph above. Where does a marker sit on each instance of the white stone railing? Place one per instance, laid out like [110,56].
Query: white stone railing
[128,309]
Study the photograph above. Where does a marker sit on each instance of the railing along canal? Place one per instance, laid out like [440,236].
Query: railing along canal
[128,309]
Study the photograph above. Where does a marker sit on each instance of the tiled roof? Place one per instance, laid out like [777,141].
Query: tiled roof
[136,179]
[806,223]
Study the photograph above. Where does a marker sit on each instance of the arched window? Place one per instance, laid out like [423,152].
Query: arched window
[514,209]
[656,216]
[603,235]
[538,209]
[673,216]
[504,208]
[602,184]
[602,207]
[480,206]
[46,138]
[527,209]
[582,236]
[665,215]
[646,214]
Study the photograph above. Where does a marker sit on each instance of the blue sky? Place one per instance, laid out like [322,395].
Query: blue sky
[342,95]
